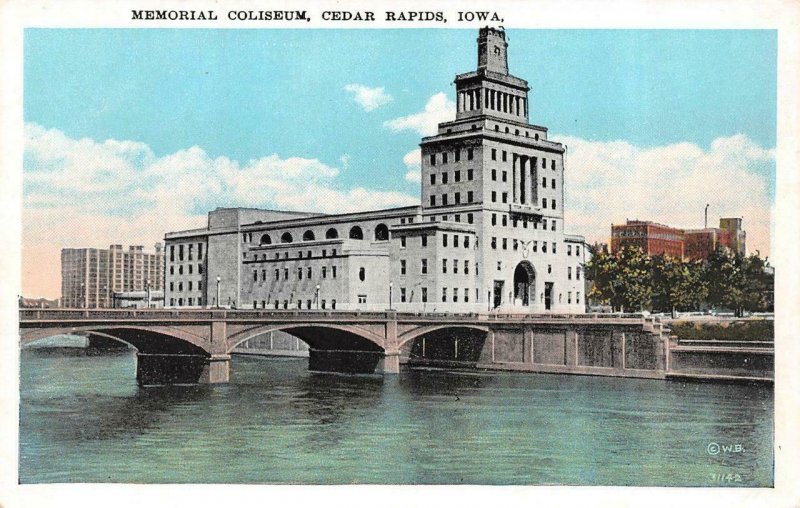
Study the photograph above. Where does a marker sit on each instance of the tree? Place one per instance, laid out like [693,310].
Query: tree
[677,285]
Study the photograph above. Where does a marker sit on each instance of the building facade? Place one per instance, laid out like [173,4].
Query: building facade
[90,277]
[489,233]
[692,244]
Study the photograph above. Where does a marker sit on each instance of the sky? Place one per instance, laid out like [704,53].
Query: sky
[133,133]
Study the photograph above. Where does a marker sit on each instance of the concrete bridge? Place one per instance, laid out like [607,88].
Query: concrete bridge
[190,346]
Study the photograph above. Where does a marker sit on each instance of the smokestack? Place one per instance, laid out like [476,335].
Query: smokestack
[705,224]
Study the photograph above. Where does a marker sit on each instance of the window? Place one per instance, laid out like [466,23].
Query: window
[444,158]
[308,272]
[444,265]
[466,295]
[544,202]
[469,174]
[553,164]
[191,251]
[535,247]
[549,267]
[362,274]
[444,199]
[494,242]
[470,197]
[324,272]
[171,302]
[444,178]
[544,182]
[277,274]
[172,253]
[286,237]
[553,203]
[505,197]
[553,183]
[505,176]
[494,219]
[544,163]
[402,267]
[444,240]
[199,287]
[333,272]
[544,247]
[569,273]
[569,296]
[494,154]
[469,154]
[554,247]
[515,244]
[466,267]
[171,269]
[308,236]
[494,175]
[355,234]
[470,218]
[172,286]
[433,159]
[457,176]
[424,240]
[504,152]
[180,270]
[457,198]
[457,217]
[577,250]
[381,233]
[499,266]
[455,294]
[433,178]
[455,266]
[285,274]
[433,200]
[444,294]
[424,295]
[553,226]
[466,242]
[180,253]
[569,250]
[578,297]
[505,243]
[331,233]
[457,155]
[578,272]
[494,196]
[362,298]
[403,295]
[300,273]
[263,275]
[505,220]
[455,240]
[402,242]
[180,286]
[424,268]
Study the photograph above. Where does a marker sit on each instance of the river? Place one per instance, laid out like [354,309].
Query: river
[84,419]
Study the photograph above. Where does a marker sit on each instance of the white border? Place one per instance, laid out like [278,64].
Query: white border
[15,15]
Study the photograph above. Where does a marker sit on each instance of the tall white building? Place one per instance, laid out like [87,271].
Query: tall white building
[489,233]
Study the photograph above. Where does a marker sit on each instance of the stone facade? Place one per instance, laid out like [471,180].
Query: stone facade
[489,234]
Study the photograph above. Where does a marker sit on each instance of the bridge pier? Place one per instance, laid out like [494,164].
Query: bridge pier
[171,369]
[389,364]
[353,362]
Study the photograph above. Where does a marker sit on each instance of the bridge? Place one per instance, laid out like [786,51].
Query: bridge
[194,346]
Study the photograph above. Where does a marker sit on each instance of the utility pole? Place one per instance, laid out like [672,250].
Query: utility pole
[705,224]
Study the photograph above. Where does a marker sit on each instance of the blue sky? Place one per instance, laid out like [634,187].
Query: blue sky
[281,97]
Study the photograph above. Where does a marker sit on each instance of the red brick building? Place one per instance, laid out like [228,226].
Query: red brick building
[654,238]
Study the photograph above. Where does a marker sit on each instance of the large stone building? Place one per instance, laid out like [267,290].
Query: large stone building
[90,277]
[489,233]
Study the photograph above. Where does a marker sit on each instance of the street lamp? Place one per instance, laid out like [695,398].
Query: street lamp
[218,281]
[390,295]
[316,296]
[147,287]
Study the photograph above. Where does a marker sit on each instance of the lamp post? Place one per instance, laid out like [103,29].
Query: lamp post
[390,295]
[316,296]
[83,295]
[147,287]
[218,281]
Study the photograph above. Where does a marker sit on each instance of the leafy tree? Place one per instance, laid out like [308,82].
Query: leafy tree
[677,285]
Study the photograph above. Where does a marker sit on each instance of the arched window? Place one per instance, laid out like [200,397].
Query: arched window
[381,233]
[265,239]
[356,233]
[362,274]
[286,237]
[332,233]
[308,236]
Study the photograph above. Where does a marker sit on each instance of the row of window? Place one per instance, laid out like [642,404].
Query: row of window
[186,249]
[456,157]
[189,286]
[323,304]
[300,270]
[516,220]
[504,178]
[380,234]
[455,295]
[189,301]
[504,158]
[456,176]
[504,199]
[190,269]
[577,273]
[533,245]
[277,255]
[456,199]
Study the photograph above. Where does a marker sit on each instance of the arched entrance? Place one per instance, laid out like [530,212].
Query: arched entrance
[524,283]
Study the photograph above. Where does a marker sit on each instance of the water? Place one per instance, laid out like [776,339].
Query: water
[84,419]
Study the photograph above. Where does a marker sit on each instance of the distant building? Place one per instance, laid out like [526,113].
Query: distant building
[38,303]
[90,277]
[651,237]
[694,244]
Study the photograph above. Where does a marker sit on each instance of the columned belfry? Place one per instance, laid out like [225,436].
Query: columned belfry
[491,90]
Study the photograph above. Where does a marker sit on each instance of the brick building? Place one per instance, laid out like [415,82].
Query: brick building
[692,244]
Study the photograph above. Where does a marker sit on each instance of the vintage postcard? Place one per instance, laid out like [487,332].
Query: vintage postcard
[471,253]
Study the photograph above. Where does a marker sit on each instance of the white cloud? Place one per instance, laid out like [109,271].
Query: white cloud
[88,193]
[413,162]
[609,182]
[425,123]
[368,98]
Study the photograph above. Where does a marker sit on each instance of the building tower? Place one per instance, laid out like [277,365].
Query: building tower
[514,188]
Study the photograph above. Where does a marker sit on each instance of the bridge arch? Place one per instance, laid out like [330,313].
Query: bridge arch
[145,339]
[403,339]
[338,337]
